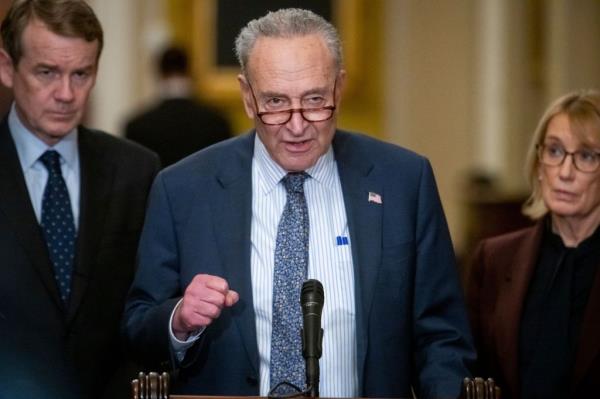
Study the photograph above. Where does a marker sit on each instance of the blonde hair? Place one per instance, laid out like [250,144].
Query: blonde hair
[583,110]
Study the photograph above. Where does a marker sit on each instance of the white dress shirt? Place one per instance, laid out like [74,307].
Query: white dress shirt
[330,262]
[30,148]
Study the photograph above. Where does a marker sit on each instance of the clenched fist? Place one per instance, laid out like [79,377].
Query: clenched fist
[203,300]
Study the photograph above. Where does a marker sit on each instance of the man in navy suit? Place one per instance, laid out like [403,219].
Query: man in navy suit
[63,283]
[178,124]
[394,317]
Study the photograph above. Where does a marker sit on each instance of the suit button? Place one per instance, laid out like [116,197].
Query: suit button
[252,381]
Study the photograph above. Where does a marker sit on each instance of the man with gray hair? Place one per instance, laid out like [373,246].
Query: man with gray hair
[234,231]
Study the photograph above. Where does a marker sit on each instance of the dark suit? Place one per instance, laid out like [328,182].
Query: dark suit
[501,273]
[46,350]
[411,324]
[176,128]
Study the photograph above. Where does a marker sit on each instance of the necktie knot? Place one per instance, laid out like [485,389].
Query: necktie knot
[51,160]
[294,182]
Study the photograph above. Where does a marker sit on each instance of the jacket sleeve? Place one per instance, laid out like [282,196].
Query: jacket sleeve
[156,287]
[444,350]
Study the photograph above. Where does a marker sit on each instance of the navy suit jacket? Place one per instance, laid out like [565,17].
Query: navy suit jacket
[177,127]
[411,324]
[48,350]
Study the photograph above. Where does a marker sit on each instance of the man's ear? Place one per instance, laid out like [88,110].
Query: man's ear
[339,86]
[7,69]
[246,96]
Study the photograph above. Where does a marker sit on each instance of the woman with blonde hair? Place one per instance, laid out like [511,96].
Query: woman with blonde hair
[534,294]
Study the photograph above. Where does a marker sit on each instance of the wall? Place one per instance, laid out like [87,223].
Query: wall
[429,91]
[467,80]
[462,82]
[362,106]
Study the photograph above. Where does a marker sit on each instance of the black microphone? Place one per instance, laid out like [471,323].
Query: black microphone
[312,299]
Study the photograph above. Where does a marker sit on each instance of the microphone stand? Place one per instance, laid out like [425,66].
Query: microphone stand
[312,374]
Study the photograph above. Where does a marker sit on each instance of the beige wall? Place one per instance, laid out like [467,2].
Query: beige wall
[429,91]
[462,82]
[134,30]
[467,80]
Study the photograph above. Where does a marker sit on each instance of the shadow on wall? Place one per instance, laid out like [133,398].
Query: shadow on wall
[489,212]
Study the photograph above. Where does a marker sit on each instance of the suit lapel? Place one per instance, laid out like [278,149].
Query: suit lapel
[15,204]
[97,174]
[512,297]
[364,225]
[232,224]
[589,343]
[233,208]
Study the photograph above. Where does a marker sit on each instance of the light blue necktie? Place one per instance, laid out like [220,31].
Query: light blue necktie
[57,224]
[291,264]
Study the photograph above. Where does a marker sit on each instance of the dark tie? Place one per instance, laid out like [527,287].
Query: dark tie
[291,263]
[57,224]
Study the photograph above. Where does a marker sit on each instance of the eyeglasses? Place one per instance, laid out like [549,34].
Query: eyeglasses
[282,117]
[584,160]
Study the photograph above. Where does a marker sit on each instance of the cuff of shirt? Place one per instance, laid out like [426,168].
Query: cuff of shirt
[180,347]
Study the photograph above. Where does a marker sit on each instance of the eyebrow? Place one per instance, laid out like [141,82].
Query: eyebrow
[44,65]
[552,138]
[317,90]
[582,145]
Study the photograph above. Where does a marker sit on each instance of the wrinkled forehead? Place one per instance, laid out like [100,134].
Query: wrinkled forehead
[290,59]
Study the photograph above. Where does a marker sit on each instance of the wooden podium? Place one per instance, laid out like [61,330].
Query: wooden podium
[156,386]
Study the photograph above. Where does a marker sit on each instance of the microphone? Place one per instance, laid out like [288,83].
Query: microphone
[311,300]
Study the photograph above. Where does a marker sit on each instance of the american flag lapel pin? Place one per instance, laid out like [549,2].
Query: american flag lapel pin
[375,198]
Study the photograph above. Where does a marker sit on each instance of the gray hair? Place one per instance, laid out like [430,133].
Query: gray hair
[287,23]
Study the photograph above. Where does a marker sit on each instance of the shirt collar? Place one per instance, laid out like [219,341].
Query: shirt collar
[271,173]
[30,147]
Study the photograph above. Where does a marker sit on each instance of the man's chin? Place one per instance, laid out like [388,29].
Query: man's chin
[299,164]
[61,129]
[54,133]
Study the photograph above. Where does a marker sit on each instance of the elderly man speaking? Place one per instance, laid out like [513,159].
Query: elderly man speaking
[234,230]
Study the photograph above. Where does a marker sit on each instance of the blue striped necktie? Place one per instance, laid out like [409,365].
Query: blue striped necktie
[57,224]
[291,264]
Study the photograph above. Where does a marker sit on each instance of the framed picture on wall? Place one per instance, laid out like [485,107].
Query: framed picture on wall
[218,22]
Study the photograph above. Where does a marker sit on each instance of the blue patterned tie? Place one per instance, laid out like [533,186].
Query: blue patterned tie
[57,224]
[291,263]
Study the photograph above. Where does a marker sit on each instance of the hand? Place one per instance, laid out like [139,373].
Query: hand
[203,300]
